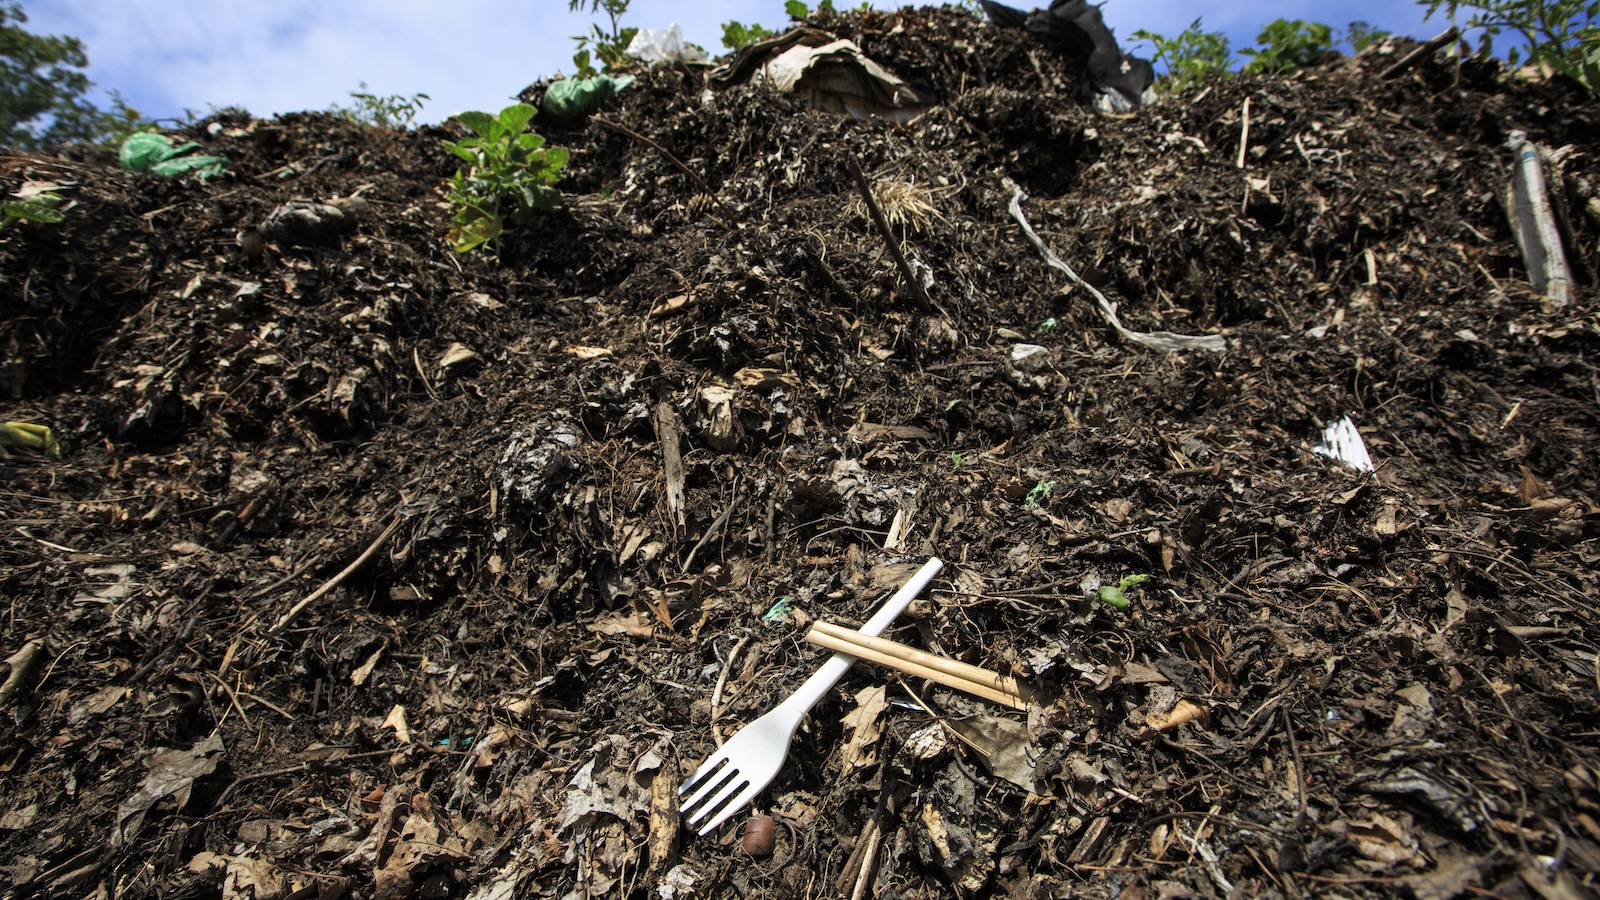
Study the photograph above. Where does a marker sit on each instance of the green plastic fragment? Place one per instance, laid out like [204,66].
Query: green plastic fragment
[779,613]
[574,97]
[155,154]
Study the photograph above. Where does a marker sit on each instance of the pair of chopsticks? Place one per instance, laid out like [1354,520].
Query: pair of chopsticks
[975,680]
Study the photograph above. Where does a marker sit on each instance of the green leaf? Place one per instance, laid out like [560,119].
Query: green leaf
[480,122]
[475,233]
[515,118]
[468,153]
[37,208]
[1113,596]
[1132,580]
[797,9]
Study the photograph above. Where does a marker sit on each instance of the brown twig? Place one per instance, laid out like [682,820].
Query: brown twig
[623,129]
[294,770]
[1428,49]
[338,579]
[917,290]
[716,692]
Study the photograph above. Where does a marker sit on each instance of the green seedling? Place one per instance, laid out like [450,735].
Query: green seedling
[957,460]
[1362,35]
[395,111]
[1191,57]
[1039,495]
[28,436]
[1047,325]
[1558,33]
[1116,595]
[1287,44]
[510,176]
[37,206]
[797,9]
[608,45]
[737,35]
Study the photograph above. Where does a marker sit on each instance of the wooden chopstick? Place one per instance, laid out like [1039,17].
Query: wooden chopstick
[975,680]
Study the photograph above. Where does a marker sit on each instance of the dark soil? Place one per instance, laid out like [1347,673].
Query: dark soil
[527,644]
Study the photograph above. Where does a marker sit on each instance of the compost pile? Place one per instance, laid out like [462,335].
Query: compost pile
[369,569]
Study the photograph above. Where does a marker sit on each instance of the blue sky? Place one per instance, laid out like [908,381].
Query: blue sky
[275,56]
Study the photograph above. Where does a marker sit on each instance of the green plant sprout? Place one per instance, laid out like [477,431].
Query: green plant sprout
[32,204]
[1361,35]
[1287,44]
[1039,495]
[797,9]
[737,35]
[1558,33]
[396,111]
[510,176]
[1195,55]
[1191,57]
[608,45]
[1116,595]
[957,460]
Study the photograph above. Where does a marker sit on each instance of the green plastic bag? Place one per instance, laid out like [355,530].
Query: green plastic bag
[573,97]
[154,153]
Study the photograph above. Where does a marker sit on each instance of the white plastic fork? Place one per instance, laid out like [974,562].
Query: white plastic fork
[730,778]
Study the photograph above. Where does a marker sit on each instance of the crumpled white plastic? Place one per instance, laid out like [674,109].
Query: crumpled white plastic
[655,45]
[1341,441]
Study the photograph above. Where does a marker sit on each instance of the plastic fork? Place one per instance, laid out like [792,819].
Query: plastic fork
[730,778]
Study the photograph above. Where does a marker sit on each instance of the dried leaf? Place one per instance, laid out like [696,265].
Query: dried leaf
[426,843]
[248,878]
[397,721]
[862,722]
[1185,710]
[364,671]
[172,774]
[1007,751]
[587,353]
[1382,839]
[456,355]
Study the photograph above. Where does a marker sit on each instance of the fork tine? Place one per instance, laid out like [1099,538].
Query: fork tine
[740,792]
[697,782]
[716,784]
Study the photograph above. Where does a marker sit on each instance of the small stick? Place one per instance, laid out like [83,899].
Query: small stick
[872,837]
[716,692]
[338,579]
[728,213]
[233,699]
[1244,135]
[22,664]
[1428,49]
[717,525]
[917,290]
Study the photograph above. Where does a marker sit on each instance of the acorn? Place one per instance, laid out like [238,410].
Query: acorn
[756,839]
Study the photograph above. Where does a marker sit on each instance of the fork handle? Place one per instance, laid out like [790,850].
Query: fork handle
[807,695]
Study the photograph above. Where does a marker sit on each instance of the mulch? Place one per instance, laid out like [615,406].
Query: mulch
[374,570]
